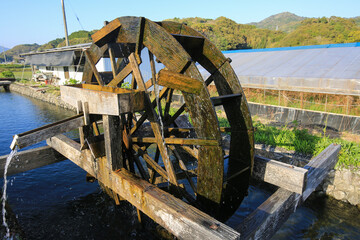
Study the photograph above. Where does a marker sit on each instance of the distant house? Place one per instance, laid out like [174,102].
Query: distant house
[59,65]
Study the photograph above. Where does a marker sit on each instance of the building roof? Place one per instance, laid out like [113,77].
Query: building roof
[64,56]
[332,68]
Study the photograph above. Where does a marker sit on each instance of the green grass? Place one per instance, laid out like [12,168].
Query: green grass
[301,141]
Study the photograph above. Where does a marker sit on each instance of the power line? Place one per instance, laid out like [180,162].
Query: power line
[77,18]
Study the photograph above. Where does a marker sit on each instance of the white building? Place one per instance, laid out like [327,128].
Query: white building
[62,64]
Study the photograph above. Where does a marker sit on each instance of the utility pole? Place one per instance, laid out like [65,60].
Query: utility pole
[66,33]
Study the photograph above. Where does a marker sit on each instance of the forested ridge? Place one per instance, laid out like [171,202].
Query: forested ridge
[280,30]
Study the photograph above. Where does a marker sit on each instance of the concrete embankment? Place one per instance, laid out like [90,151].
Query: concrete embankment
[41,94]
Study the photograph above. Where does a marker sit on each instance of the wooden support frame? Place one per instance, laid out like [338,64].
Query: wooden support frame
[181,219]
[39,134]
[269,216]
[280,174]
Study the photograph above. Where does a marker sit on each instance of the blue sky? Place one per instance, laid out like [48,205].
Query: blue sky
[40,21]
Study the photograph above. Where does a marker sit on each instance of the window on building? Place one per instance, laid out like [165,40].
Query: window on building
[50,68]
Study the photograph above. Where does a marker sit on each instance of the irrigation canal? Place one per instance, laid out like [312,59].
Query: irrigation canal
[55,201]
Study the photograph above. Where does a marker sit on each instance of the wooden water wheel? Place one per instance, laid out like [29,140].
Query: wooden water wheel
[157,146]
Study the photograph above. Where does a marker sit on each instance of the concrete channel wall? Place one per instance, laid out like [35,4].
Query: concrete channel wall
[40,94]
[285,115]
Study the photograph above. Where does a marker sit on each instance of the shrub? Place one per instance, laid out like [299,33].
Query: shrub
[7,74]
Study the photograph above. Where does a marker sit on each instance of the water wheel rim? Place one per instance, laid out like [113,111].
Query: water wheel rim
[145,33]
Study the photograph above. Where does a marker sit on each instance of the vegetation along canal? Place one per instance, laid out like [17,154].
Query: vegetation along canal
[55,201]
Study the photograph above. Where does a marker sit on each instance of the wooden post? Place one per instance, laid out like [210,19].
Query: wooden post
[326,100]
[348,104]
[113,139]
[279,100]
[301,100]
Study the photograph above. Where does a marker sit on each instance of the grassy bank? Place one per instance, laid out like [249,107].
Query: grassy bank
[301,141]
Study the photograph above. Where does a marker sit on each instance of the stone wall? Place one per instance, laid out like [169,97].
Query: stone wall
[41,94]
[344,185]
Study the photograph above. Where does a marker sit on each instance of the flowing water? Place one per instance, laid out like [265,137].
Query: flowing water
[55,201]
[4,196]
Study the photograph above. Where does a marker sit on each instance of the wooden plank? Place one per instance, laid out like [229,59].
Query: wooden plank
[30,159]
[39,134]
[269,216]
[280,174]
[178,217]
[107,34]
[113,138]
[179,81]
[4,83]
[104,100]
[224,99]
[178,141]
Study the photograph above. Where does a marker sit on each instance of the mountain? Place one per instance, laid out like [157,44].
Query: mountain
[15,51]
[3,49]
[285,21]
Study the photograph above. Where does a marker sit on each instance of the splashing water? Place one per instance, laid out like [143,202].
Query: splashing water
[4,197]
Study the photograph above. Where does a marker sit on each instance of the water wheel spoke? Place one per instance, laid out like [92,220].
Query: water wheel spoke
[120,76]
[153,121]
[168,103]
[183,166]
[112,60]
[93,68]
[155,166]
[142,170]
[176,115]
[153,173]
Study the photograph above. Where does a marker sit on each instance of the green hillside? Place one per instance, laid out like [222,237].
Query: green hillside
[226,34]
[286,22]
[316,31]
[15,51]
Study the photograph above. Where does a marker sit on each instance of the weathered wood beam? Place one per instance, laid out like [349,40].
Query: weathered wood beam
[107,34]
[178,141]
[280,174]
[179,81]
[39,134]
[104,100]
[179,218]
[30,159]
[269,216]
[113,138]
